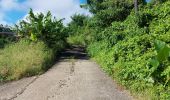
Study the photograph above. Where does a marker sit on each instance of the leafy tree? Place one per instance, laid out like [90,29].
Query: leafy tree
[107,11]
[42,27]
[78,21]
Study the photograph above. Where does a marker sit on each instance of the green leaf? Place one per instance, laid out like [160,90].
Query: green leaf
[154,63]
[163,51]
[163,54]
[33,37]
[159,45]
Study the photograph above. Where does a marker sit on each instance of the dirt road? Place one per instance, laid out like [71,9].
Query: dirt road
[69,79]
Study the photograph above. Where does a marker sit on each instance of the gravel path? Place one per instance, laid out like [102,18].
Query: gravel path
[68,79]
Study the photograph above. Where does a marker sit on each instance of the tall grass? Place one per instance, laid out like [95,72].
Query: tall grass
[24,58]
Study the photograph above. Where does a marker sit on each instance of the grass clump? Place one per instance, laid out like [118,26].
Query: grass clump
[24,58]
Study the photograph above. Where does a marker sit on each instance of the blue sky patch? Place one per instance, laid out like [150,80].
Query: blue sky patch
[13,16]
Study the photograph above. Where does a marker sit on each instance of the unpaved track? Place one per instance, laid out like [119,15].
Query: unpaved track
[69,79]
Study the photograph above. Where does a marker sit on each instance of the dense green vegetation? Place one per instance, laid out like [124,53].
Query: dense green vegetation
[75,28]
[45,28]
[33,49]
[133,48]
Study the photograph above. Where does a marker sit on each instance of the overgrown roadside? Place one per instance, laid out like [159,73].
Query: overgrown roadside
[73,77]
[132,47]
[34,47]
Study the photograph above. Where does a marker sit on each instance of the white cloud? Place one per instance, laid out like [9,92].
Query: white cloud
[2,21]
[59,8]
[6,5]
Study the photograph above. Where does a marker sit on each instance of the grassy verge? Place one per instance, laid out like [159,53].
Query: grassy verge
[24,58]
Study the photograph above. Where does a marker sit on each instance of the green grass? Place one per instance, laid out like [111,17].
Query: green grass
[24,58]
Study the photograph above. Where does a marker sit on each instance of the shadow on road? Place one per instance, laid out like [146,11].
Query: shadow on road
[75,52]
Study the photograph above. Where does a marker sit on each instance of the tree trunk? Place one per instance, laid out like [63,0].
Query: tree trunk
[136,6]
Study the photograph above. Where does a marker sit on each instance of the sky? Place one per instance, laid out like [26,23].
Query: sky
[148,0]
[11,11]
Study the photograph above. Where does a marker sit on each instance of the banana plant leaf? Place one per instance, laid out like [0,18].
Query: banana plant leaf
[162,49]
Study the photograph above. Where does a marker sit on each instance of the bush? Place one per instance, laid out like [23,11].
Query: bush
[24,58]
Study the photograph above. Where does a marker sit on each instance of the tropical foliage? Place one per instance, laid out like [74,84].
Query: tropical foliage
[43,27]
[75,27]
[133,48]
